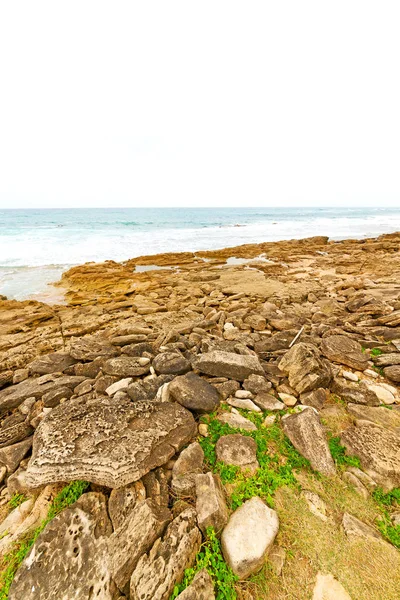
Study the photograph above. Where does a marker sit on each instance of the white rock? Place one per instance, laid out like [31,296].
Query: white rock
[143,361]
[389,388]
[349,375]
[203,430]
[371,373]
[243,394]
[245,403]
[228,326]
[118,386]
[328,588]
[287,399]
[248,537]
[383,394]
[235,420]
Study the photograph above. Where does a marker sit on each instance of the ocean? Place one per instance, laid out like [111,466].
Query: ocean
[37,245]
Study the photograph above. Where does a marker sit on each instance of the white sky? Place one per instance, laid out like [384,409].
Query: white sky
[211,103]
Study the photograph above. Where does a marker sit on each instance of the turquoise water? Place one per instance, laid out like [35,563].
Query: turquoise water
[37,245]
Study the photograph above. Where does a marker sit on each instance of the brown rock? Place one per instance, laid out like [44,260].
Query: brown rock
[393,373]
[56,362]
[304,368]
[201,588]
[228,364]
[345,351]
[238,450]
[125,366]
[194,393]
[210,502]
[171,363]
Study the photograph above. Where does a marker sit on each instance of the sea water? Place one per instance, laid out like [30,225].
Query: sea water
[37,245]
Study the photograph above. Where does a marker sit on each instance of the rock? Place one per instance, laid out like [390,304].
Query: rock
[76,568]
[328,588]
[378,450]
[248,536]
[256,384]
[90,348]
[210,503]
[393,373]
[123,500]
[268,402]
[276,559]
[243,395]
[304,368]
[105,442]
[345,351]
[20,375]
[11,456]
[157,572]
[194,393]
[316,505]
[377,414]
[124,340]
[171,363]
[136,536]
[53,398]
[14,429]
[246,404]
[287,399]
[188,465]
[118,386]
[307,435]
[350,376]
[201,588]
[125,366]
[56,362]
[236,421]
[359,487]
[365,479]
[354,528]
[227,388]
[229,364]
[203,429]
[357,394]
[384,395]
[386,360]
[238,450]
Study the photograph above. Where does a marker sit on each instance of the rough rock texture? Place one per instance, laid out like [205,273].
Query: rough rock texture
[344,350]
[77,568]
[55,362]
[354,528]
[210,502]
[228,364]
[328,588]
[304,368]
[201,588]
[188,465]
[248,537]
[377,414]
[307,435]
[378,450]
[171,363]
[125,366]
[121,503]
[236,421]
[238,450]
[105,442]
[393,373]
[158,571]
[11,456]
[194,393]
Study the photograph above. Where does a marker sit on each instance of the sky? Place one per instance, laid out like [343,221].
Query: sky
[211,103]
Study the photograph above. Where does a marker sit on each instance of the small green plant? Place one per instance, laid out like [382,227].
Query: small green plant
[385,501]
[210,558]
[12,560]
[16,500]
[339,453]
[376,352]
[379,370]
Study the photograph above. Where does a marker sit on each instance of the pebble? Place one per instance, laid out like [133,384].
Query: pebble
[203,430]
[349,376]
[245,403]
[371,373]
[243,394]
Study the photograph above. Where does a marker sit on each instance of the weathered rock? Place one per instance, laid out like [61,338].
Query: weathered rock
[14,429]
[357,394]
[359,487]
[123,500]
[354,528]
[118,386]
[124,340]
[56,362]
[256,384]
[147,390]
[201,588]
[210,502]
[125,366]
[378,450]
[76,568]
[386,360]
[345,351]
[276,559]
[11,456]
[377,414]
[157,572]
[188,465]
[227,388]
[171,363]
[316,505]
[236,421]
[287,399]
[315,398]
[244,403]
[304,368]
[305,431]
[393,373]
[90,348]
[248,537]
[136,536]
[328,588]
[384,395]
[105,442]
[52,398]
[229,364]
[268,402]
[194,393]
[238,450]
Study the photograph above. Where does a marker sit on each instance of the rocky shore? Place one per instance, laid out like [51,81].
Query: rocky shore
[220,424]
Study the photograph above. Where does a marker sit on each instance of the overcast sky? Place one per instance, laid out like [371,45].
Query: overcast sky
[211,103]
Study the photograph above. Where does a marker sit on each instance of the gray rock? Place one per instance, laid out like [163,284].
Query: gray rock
[11,456]
[201,588]
[248,537]
[306,433]
[276,559]
[14,429]
[229,364]
[256,384]
[125,366]
[69,559]
[52,398]
[188,465]
[171,363]
[315,398]
[227,388]
[236,421]
[105,442]
[238,450]
[305,369]
[122,501]
[194,393]
[356,394]
[56,362]
[210,503]
[345,351]
[268,402]
[386,360]
[157,572]
[377,414]
[147,390]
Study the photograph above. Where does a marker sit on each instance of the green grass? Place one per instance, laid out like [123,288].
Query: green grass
[339,453]
[19,551]
[375,352]
[210,558]
[385,501]
[16,500]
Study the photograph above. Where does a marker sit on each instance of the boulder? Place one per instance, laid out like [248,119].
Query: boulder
[56,362]
[393,373]
[306,433]
[238,450]
[125,366]
[328,588]
[248,537]
[201,588]
[229,364]
[345,351]
[157,572]
[304,368]
[194,393]
[188,465]
[210,502]
[378,415]
[171,363]
[11,456]
[105,442]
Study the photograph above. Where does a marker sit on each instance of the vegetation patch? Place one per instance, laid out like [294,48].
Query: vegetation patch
[385,502]
[376,352]
[16,500]
[339,453]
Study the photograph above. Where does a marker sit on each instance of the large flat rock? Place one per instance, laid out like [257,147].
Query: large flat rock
[106,442]
[229,364]
[342,349]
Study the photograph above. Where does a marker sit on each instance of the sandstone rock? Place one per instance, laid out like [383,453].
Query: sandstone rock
[52,398]
[248,537]
[194,393]
[386,360]
[304,368]
[124,340]
[11,456]
[90,348]
[125,366]
[354,528]
[328,588]
[287,399]
[108,443]
[76,568]
[359,487]
[236,421]
[256,384]
[344,350]
[315,398]
[157,572]
[210,502]
[378,450]
[122,501]
[171,363]
[393,373]
[238,450]
[268,402]
[377,414]
[56,362]
[306,434]
[228,364]
[383,394]
[188,465]
[14,429]
[201,588]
